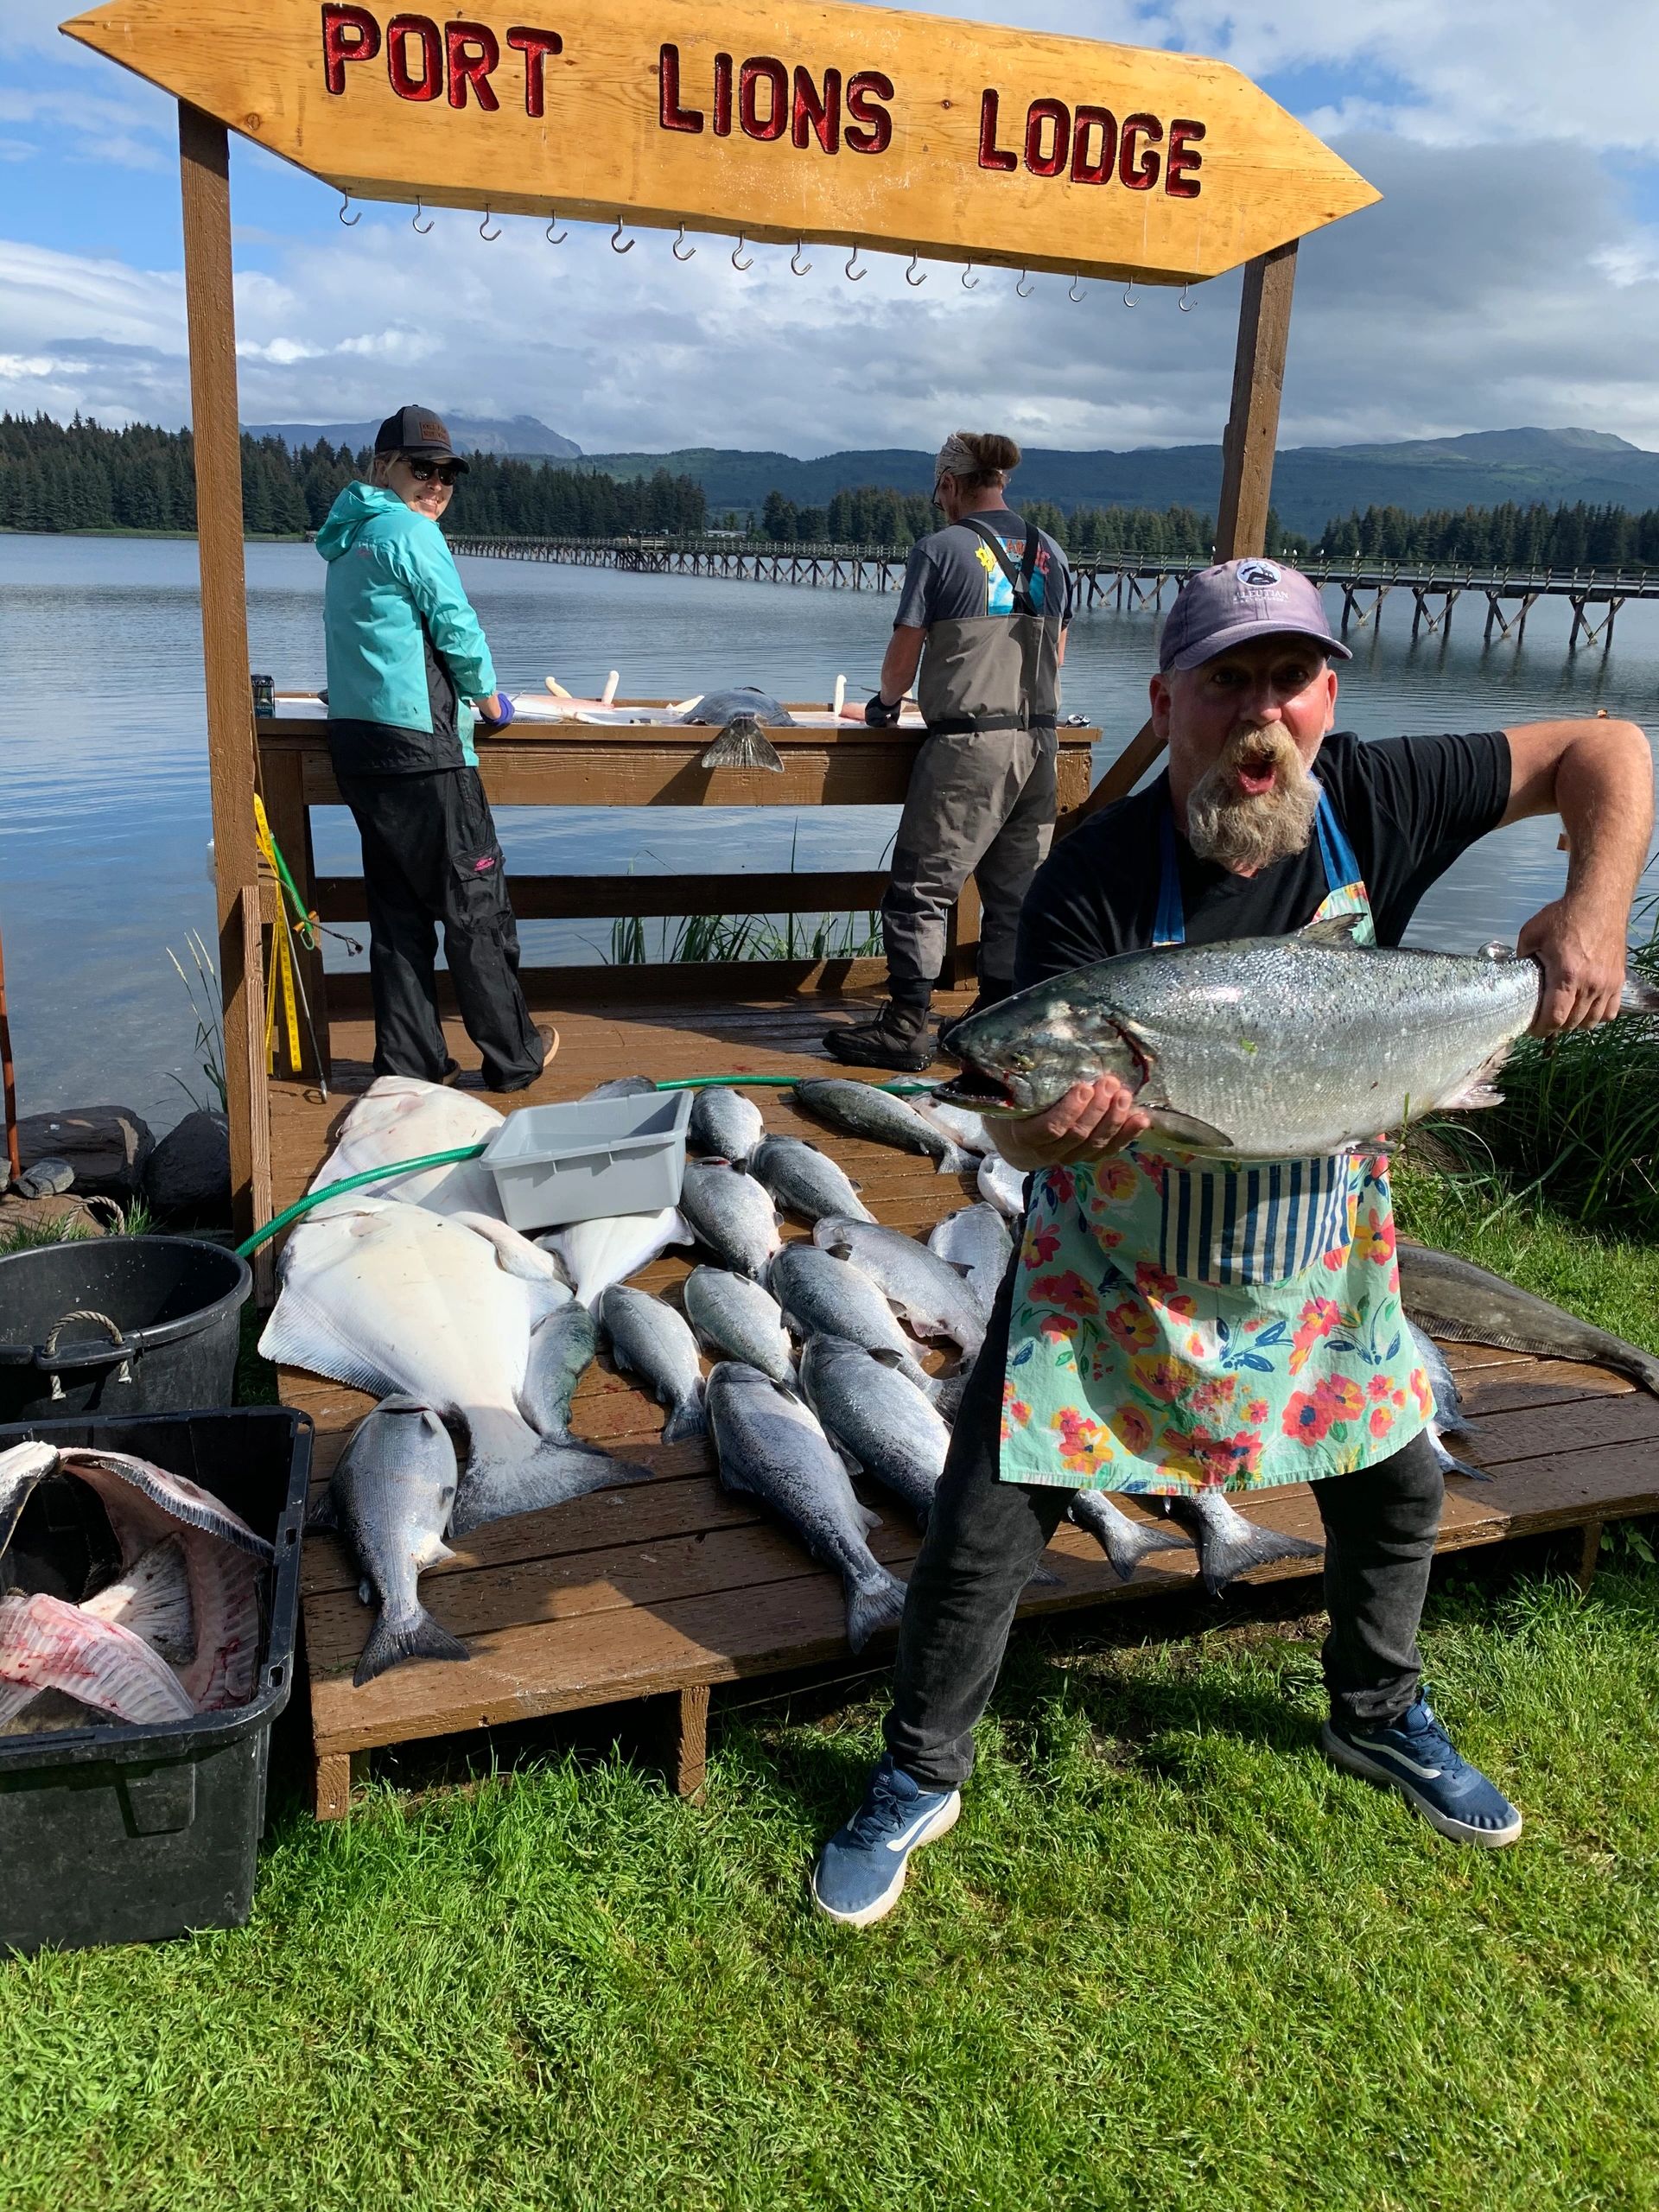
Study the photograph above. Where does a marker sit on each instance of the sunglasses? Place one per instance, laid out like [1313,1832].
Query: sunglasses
[424,471]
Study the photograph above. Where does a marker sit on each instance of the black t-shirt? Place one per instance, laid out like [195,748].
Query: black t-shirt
[1408,804]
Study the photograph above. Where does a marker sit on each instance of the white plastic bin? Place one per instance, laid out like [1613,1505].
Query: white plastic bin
[593,1156]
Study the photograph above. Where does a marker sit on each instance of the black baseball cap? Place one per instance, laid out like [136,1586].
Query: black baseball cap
[417,431]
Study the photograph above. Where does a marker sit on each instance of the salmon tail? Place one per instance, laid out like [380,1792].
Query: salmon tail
[872,1605]
[1638,996]
[1125,1542]
[685,1420]
[1222,1556]
[412,1636]
[742,744]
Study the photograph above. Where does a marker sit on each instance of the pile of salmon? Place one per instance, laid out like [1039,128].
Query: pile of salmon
[147,1611]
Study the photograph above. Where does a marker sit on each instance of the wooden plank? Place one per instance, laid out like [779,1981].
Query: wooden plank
[259,1170]
[696,981]
[587,897]
[204,179]
[689,1749]
[905,133]
[1258,387]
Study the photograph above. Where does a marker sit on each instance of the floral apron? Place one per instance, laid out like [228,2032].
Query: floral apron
[1181,1322]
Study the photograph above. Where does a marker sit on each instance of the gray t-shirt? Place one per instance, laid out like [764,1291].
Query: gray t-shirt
[953,576]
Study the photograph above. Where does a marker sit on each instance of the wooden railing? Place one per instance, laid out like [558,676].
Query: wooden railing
[657,764]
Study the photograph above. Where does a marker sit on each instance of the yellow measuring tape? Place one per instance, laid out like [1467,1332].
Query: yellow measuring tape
[281,979]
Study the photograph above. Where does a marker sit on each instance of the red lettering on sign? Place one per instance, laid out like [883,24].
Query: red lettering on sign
[474,68]
[1054,118]
[870,130]
[669,113]
[761,69]
[1137,169]
[362,44]
[534,46]
[723,96]
[422,32]
[991,155]
[1087,167]
[1180,172]
[809,112]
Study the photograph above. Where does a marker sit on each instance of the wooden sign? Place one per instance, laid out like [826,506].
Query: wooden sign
[902,133]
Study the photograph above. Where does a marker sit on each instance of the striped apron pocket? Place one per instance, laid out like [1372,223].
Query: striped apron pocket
[1231,1227]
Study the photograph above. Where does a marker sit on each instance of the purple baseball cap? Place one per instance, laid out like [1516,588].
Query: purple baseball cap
[1237,600]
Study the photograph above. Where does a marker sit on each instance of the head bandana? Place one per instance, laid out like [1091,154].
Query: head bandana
[956,459]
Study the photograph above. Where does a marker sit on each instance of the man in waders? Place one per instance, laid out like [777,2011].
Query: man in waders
[1172,1323]
[983,611]
[408,669]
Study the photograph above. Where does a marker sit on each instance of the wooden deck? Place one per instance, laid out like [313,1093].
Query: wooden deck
[671,1586]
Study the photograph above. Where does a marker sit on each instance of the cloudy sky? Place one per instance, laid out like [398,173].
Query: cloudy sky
[1510,276]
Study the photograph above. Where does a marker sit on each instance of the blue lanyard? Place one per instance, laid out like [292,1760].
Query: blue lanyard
[1340,861]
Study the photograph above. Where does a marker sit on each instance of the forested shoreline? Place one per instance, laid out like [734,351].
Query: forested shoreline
[82,476]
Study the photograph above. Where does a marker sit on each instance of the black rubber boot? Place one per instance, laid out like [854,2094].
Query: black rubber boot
[896,1036]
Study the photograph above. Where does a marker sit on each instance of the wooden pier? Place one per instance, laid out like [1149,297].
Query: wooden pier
[1123,580]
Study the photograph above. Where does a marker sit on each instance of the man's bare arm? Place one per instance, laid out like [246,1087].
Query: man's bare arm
[900,663]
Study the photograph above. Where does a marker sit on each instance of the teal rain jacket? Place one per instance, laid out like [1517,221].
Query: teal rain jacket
[391,576]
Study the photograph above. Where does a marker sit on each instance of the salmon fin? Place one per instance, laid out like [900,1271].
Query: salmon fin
[324,1515]
[1463,1467]
[874,1606]
[686,1419]
[419,1637]
[1638,996]
[743,745]
[1474,1094]
[1187,1129]
[1334,930]
[1043,1578]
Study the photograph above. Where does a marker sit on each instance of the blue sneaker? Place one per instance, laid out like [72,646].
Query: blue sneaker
[1416,1757]
[860,1870]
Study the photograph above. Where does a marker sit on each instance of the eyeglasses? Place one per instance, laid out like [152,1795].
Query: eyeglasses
[424,471]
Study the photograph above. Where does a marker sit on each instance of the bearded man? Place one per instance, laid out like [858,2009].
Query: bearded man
[1174,1325]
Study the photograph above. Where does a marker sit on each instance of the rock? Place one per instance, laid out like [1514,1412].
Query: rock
[46,1179]
[189,1171]
[106,1146]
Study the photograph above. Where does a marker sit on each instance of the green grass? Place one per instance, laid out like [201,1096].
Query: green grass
[1168,1959]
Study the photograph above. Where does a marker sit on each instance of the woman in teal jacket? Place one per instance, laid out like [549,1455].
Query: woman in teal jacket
[408,671]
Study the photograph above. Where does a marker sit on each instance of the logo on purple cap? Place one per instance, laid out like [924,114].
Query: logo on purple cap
[1257,575]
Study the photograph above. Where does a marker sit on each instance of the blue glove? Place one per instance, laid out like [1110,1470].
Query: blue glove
[878,714]
[500,712]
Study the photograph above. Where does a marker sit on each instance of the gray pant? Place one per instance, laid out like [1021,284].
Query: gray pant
[980,805]
[984,1537]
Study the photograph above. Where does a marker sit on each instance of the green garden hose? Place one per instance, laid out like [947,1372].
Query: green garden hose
[279,1221]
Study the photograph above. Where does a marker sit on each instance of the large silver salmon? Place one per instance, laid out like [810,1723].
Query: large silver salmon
[1265,1048]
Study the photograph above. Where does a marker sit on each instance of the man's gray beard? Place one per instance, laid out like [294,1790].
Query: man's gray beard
[1254,831]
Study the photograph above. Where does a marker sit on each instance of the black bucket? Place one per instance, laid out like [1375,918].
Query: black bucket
[115,1325]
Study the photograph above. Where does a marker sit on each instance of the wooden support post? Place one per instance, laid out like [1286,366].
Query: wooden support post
[204,178]
[688,1760]
[1589,1553]
[335,1775]
[263,1206]
[1258,387]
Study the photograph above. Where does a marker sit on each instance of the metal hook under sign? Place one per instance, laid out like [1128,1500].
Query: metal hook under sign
[911,277]
[736,251]
[679,243]
[415,222]
[1025,288]
[1071,290]
[1185,305]
[617,244]
[969,281]
[552,218]
[350,221]
[488,235]
[853,276]
[1129,300]
[801,268]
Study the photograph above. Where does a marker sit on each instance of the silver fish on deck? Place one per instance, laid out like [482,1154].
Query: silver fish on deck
[872,1415]
[805,1181]
[975,1240]
[1002,1186]
[561,1352]
[736,1318]
[1227,1544]
[862,1110]
[731,1214]
[391,1496]
[922,1289]
[651,1340]
[724,1125]
[1265,1048]
[620,1086]
[1468,1304]
[823,1296]
[770,1445]
[1125,1542]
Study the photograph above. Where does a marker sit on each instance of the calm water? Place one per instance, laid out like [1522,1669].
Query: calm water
[104,806]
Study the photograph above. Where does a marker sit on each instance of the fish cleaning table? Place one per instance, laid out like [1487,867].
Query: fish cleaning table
[667,1587]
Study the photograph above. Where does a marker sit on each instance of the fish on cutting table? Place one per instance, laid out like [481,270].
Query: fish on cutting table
[651,1340]
[975,1240]
[1468,1304]
[876,1418]
[404,1303]
[739,715]
[769,1444]
[823,1296]
[1125,1542]
[391,1496]
[399,1117]
[561,1352]
[1448,1417]
[225,1562]
[724,1125]
[1227,1544]
[922,1289]
[46,1644]
[731,1214]
[805,1181]
[596,1253]
[1263,1048]
[1002,1186]
[862,1111]
[735,1319]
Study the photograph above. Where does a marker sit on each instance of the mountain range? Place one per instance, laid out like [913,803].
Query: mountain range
[1311,484]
